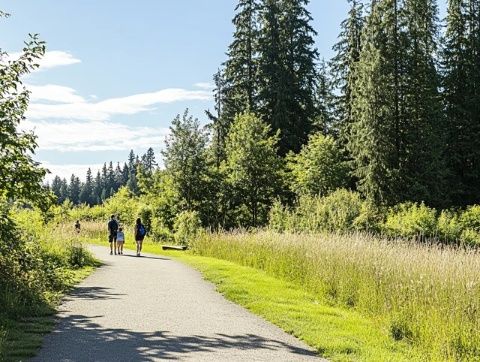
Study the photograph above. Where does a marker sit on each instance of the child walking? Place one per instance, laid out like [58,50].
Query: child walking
[120,241]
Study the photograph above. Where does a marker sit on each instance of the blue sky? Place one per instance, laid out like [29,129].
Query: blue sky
[117,72]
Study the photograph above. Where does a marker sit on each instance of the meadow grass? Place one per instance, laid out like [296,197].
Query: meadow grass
[353,297]
[426,296]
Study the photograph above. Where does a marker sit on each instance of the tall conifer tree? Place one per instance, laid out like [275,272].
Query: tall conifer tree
[461,64]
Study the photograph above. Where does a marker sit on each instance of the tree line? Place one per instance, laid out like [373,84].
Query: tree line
[394,115]
[96,189]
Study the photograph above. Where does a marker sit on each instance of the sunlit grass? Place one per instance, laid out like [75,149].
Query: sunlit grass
[390,298]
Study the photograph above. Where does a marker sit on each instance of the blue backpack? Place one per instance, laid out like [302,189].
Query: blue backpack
[142,231]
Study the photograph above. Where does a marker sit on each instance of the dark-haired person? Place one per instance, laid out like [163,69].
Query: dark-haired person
[112,234]
[140,233]
[77,227]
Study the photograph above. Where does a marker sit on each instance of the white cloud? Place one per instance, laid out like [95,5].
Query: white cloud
[51,59]
[74,136]
[205,85]
[103,110]
[65,171]
[54,93]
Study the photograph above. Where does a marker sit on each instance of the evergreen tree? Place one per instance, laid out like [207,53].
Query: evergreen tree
[118,177]
[64,192]
[423,162]
[287,71]
[148,161]
[74,189]
[97,189]
[461,64]
[344,65]
[220,124]
[56,187]
[241,67]
[87,189]
[324,103]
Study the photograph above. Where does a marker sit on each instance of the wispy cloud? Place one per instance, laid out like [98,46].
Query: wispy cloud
[51,59]
[205,85]
[75,136]
[54,93]
[104,110]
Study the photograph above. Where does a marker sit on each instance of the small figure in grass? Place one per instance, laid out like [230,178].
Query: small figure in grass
[120,241]
[140,233]
[112,234]
[77,226]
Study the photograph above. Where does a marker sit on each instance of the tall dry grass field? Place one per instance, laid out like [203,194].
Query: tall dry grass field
[426,295]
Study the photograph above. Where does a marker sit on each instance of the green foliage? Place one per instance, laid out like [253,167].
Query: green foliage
[342,211]
[411,220]
[449,226]
[396,137]
[252,168]
[187,227]
[159,232]
[319,168]
[123,205]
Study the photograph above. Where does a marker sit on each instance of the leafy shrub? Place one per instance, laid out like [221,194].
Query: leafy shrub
[145,213]
[341,211]
[159,232]
[319,168]
[470,237]
[470,218]
[278,217]
[449,226]
[411,220]
[187,226]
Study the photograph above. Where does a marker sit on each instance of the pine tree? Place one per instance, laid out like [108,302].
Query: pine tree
[241,67]
[423,166]
[64,193]
[324,120]
[74,189]
[56,187]
[148,161]
[220,124]
[97,189]
[461,64]
[344,65]
[375,140]
[287,71]
[87,189]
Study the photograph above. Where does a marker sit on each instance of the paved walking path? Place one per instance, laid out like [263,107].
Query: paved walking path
[154,308]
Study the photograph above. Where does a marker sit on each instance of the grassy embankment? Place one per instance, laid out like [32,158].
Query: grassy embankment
[353,297]
[45,264]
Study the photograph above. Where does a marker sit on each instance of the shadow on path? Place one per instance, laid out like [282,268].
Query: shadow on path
[143,257]
[92,293]
[89,341]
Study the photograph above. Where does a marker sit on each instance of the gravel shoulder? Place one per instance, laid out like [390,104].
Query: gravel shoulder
[153,308]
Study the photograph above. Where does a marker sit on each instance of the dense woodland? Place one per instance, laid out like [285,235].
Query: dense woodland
[395,116]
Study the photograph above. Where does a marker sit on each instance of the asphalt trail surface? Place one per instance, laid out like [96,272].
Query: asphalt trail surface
[153,308]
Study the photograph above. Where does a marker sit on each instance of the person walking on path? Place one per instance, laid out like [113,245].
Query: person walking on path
[140,233]
[112,234]
[120,240]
